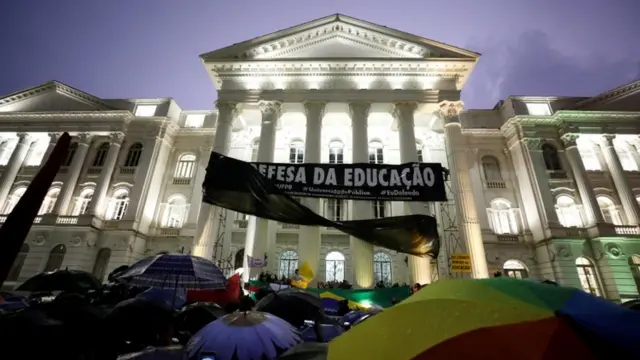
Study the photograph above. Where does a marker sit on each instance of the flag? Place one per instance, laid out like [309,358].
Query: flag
[255,262]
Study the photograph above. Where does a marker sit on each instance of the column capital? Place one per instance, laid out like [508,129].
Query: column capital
[315,109]
[116,138]
[449,111]
[402,109]
[54,137]
[228,107]
[359,109]
[607,139]
[23,136]
[532,143]
[569,140]
[83,138]
[270,108]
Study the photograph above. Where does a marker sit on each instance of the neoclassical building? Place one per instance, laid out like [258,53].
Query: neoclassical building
[541,187]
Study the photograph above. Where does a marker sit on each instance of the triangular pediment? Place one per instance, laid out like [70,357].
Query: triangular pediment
[338,36]
[51,96]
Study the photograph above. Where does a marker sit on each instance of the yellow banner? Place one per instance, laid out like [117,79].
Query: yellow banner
[460,263]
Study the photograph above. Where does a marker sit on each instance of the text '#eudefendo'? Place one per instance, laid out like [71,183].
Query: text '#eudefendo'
[409,176]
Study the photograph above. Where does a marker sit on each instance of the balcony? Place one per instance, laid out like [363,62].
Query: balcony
[288,227]
[94,170]
[240,223]
[495,185]
[557,174]
[181,181]
[128,170]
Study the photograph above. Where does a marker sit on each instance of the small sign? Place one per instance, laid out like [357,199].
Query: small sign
[460,263]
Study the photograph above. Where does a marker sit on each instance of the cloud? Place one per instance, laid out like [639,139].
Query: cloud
[528,65]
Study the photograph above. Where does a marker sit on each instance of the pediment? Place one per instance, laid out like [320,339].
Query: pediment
[338,36]
[51,96]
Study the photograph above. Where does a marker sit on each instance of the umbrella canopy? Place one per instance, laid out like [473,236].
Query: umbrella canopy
[244,336]
[156,353]
[194,317]
[175,271]
[293,305]
[328,331]
[306,351]
[73,281]
[494,318]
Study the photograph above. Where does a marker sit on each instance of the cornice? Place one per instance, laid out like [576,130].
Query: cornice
[76,121]
[60,88]
[486,133]
[330,95]
[610,95]
[596,116]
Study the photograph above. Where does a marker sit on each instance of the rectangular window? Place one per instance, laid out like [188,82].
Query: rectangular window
[376,156]
[194,120]
[296,155]
[420,158]
[146,110]
[379,209]
[336,156]
[336,210]
[538,109]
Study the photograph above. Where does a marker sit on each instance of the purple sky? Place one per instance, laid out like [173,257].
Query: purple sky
[150,48]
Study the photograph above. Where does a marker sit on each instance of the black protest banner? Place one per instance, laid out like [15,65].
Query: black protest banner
[238,186]
[406,182]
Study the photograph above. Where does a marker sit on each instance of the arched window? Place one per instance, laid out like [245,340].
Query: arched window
[551,158]
[515,269]
[382,266]
[336,152]
[56,257]
[376,152]
[336,210]
[82,202]
[624,155]
[588,154]
[72,152]
[118,205]
[491,168]
[296,152]
[174,212]
[49,202]
[334,266]
[133,156]
[18,263]
[634,265]
[101,155]
[288,264]
[588,276]
[185,167]
[238,260]
[503,218]
[102,261]
[419,148]
[569,213]
[254,150]
[609,210]
[12,200]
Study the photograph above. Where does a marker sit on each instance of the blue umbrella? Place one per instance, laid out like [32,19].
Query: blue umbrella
[175,271]
[353,316]
[328,331]
[244,336]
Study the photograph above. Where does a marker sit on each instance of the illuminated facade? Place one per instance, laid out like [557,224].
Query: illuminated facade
[543,187]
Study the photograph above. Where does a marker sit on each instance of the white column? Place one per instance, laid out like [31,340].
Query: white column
[461,183]
[588,196]
[102,185]
[13,167]
[629,203]
[540,181]
[204,152]
[257,242]
[69,186]
[209,219]
[53,140]
[4,147]
[309,237]
[419,267]
[361,251]
[142,180]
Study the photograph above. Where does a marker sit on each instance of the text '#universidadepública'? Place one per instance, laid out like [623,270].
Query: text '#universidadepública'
[408,176]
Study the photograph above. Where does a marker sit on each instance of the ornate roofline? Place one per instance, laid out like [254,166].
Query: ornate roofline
[59,88]
[73,121]
[366,33]
[610,95]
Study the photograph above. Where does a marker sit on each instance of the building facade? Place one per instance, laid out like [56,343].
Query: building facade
[542,187]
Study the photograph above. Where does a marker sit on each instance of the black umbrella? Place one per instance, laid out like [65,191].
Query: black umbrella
[293,305]
[194,317]
[306,351]
[72,281]
[632,305]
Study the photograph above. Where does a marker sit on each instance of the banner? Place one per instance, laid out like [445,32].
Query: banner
[406,182]
[237,185]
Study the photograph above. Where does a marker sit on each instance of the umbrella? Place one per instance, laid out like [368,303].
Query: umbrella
[62,280]
[156,353]
[499,318]
[328,332]
[175,271]
[243,336]
[306,351]
[632,305]
[194,317]
[293,305]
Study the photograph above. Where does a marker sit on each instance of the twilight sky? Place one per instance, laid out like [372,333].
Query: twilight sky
[150,48]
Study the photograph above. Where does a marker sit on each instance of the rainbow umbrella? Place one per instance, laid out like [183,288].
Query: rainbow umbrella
[500,318]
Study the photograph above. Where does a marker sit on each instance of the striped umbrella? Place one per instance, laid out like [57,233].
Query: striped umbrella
[175,271]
